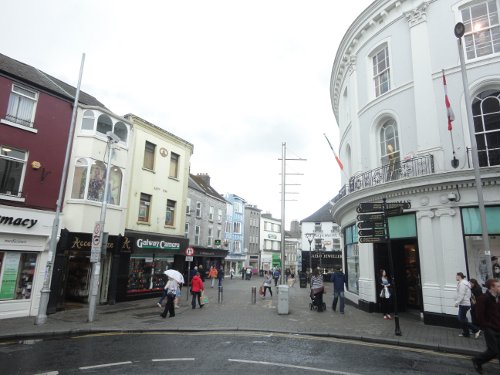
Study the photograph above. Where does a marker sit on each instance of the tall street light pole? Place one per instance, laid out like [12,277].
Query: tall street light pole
[459,33]
[96,265]
[310,238]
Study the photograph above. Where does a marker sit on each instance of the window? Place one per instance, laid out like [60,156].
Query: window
[219,233]
[18,272]
[381,71]
[228,227]
[237,227]
[22,105]
[188,206]
[121,131]
[12,169]
[352,258]
[79,179]
[170,214]
[115,186]
[237,246]
[211,213]
[174,165]
[186,230]
[96,182]
[144,208]
[88,120]
[149,156]
[389,143]
[198,209]
[104,124]
[486,114]
[210,236]
[197,235]
[482,29]
[219,215]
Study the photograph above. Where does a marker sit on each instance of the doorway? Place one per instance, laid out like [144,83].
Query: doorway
[406,271]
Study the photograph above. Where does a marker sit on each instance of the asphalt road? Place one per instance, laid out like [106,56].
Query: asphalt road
[221,353]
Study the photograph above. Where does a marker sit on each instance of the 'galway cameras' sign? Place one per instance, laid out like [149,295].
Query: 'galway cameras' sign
[164,245]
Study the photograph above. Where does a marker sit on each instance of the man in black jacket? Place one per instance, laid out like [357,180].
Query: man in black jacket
[488,317]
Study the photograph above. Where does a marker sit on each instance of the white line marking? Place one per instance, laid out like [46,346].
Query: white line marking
[48,373]
[105,365]
[293,366]
[172,359]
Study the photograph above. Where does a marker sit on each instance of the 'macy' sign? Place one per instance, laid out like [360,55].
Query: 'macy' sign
[18,221]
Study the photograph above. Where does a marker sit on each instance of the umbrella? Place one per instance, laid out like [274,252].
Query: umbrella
[176,275]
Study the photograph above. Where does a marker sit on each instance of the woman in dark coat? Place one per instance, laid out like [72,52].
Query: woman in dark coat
[385,294]
[476,291]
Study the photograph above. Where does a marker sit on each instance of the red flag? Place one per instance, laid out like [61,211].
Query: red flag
[335,154]
[449,111]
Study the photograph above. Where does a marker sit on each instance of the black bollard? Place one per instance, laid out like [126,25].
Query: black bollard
[254,295]
[220,297]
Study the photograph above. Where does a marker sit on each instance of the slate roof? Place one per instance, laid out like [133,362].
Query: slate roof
[322,215]
[36,78]
[197,183]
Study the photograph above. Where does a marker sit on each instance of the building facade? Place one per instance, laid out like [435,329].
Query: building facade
[270,242]
[235,231]
[252,236]
[387,95]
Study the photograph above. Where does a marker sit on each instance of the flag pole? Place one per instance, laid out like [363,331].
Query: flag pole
[341,166]
[451,117]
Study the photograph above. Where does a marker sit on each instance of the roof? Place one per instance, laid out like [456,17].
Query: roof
[322,215]
[36,78]
[197,183]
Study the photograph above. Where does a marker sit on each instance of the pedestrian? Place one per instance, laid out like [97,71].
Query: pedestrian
[220,275]
[231,272]
[243,272]
[462,301]
[171,294]
[488,316]
[193,272]
[196,289]
[338,280]
[163,296]
[317,289]
[276,276]
[291,280]
[202,272]
[385,294]
[268,279]
[287,275]
[248,272]
[212,274]
[476,291]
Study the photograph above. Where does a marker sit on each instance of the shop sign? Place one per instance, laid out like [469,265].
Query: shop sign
[18,221]
[162,245]
[9,277]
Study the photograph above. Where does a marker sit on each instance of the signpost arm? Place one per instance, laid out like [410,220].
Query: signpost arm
[397,331]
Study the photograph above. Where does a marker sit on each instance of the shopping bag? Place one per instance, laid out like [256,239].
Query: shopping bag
[261,290]
[203,298]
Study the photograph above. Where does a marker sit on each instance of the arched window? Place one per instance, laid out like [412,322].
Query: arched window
[115,186]
[79,179]
[96,181]
[486,113]
[104,124]
[389,143]
[121,131]
[88,120]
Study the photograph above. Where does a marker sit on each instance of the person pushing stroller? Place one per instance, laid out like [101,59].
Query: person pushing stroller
[317,290]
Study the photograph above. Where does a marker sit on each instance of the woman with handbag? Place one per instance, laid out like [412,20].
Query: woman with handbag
[268,279]
[385,295]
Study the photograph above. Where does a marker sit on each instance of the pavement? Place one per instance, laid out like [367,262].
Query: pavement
[236,312]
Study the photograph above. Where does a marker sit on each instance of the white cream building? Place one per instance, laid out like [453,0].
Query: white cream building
[388,98]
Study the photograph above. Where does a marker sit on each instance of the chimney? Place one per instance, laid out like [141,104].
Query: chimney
[204,177]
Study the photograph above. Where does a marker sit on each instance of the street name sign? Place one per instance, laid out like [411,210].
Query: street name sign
[372,232]
[372,239]
[379,207]
[370,224]
[395,211]
[371,217]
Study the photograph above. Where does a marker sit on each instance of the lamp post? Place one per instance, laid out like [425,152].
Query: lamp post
[96,266]
[459,33]
[310,238]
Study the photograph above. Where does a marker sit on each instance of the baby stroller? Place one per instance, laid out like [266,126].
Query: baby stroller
[316,303]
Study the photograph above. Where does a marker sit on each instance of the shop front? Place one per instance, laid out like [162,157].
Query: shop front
[24,238]
[206,257]
[140,271]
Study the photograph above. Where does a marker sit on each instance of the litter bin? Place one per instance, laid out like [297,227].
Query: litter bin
[282,299]
[303,280]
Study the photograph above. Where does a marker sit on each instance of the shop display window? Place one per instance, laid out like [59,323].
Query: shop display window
[477,261]
[26,272]
[146,274]
[17,272]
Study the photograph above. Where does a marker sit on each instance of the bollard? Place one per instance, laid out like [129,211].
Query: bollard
[254,295]
[220,297]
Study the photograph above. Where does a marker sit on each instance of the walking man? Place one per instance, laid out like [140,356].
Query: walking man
[463,303]
[488,317]
[338,280]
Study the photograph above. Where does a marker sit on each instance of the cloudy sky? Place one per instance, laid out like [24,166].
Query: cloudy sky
[235,78]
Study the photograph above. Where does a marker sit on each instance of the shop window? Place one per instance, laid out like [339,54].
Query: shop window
[146,274]
[144,208]
[88,120]
[12,169]
[18,270]
[149,156]
[482,29]
[22,106]
[174,165]
[486,113]
[104,124]
[352,258]
[170,214]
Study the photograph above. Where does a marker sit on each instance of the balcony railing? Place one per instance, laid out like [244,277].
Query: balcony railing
[400,170]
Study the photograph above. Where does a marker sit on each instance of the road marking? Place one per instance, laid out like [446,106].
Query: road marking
[293,366]
[48,373]
[172,359]
[105,365]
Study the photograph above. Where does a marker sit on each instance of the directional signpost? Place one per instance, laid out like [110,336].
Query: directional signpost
[373,227]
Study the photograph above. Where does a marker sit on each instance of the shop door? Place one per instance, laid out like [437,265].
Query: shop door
[406,271]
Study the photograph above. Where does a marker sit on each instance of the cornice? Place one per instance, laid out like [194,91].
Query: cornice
[418,15]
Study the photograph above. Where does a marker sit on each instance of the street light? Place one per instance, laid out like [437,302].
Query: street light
[96,266]
[310,238]
[459,31]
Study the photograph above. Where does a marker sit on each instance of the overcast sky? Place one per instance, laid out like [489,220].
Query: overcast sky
[235,78]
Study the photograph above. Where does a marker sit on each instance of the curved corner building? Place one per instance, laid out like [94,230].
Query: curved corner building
[388,97]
